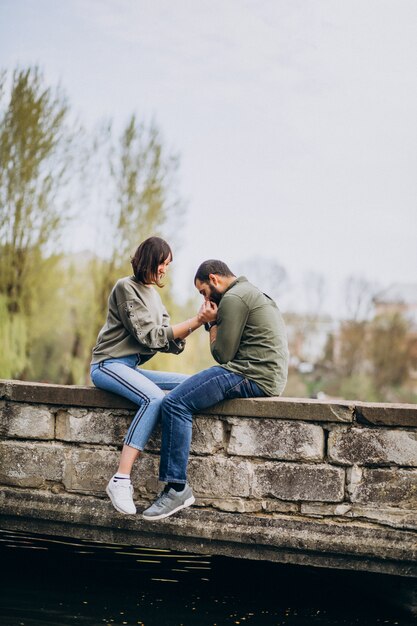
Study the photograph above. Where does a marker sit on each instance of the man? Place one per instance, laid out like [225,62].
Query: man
[248,340]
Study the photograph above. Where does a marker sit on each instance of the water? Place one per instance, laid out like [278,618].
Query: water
[61,581]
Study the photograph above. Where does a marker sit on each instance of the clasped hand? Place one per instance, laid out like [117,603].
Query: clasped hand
[207,312]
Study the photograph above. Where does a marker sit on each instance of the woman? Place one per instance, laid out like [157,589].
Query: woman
[137,327]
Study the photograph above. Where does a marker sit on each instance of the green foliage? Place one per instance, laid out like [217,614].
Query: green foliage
[359,387]
[388,349]
[13,335]
[34,156]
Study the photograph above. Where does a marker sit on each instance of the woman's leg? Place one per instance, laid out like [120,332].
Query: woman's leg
[165,381]
[120,376]
[127,459]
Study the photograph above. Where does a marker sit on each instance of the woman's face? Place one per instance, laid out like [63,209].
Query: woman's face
[163,267]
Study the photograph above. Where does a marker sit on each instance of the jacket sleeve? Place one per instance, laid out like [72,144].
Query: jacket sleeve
[231,319]
[137,319]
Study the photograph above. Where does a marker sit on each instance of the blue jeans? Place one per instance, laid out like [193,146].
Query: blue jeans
[143,387]
[197,393]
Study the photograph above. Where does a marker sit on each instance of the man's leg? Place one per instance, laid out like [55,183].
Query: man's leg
[197,393]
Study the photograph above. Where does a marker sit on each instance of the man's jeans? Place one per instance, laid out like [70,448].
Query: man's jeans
[143,387]
[193,396]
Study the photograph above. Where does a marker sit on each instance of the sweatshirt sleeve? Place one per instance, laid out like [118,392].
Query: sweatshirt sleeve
[140,322]
[231,319]
[165,317]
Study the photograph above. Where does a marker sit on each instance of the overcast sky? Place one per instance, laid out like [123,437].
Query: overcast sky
[295,120]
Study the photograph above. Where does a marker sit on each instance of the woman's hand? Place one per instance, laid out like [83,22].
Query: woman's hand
[207,312]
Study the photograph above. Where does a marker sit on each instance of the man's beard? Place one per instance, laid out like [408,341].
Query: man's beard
[215,295]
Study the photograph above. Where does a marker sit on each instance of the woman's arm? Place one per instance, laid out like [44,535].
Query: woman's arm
[183,329]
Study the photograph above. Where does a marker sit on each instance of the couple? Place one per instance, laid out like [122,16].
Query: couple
[247,339]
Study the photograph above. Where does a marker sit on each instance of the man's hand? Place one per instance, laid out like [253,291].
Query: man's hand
[207,312]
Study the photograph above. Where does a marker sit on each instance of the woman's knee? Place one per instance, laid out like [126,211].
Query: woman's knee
[166,401]
[156,397]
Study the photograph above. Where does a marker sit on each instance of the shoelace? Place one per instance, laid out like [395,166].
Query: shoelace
[162,498]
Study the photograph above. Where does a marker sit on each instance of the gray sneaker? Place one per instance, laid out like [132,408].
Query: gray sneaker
[168,503]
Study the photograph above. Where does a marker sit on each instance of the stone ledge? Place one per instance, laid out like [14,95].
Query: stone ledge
[73,395]
[61,395]
[386,414]
[283,538]
[276,407]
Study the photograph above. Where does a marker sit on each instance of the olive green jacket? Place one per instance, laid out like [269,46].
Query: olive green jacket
[251,338]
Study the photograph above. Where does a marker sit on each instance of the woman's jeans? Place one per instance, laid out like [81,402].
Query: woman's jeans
[194,395]
[143,387]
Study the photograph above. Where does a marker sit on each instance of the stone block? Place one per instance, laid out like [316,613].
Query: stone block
[363,446]
[31,464]
[88,470]
[286,408]
[289,441]
[101,426]
[387,516]
[294,481]
[145,476]
[388,414]
[231,505]
[277,506]
[220,477]
[61,395]
[387,487]
[25,421]
[207,437]
[315,509]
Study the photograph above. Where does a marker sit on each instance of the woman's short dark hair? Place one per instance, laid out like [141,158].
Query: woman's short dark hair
[148,256]
[212,266]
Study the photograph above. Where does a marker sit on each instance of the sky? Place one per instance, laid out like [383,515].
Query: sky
[295,122]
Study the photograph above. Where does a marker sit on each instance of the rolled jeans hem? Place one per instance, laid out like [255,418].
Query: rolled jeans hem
[132,445]
[172,479]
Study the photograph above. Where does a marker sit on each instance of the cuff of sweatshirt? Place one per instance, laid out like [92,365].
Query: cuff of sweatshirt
[170,333]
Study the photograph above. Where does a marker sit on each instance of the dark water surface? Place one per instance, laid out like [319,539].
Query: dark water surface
[60,581]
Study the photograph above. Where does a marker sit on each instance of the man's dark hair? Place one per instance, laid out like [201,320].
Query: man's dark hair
[212,266]
[148,256]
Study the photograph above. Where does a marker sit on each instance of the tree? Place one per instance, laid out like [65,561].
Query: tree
[35,155]
[389,350]
[138,198]
[353,338]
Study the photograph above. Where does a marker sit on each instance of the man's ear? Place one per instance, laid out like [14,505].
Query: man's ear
[213,278]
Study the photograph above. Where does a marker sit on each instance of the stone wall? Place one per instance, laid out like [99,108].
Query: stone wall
[349,466]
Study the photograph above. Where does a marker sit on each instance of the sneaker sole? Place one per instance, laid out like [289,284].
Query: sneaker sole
[188,502]
[109,493]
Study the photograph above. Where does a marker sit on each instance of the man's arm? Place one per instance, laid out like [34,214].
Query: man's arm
[226,336]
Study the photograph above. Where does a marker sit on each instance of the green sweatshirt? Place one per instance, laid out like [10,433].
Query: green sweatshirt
[137,323]
[251,338]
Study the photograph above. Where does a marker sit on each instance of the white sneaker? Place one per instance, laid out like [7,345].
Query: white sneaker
[120,493]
